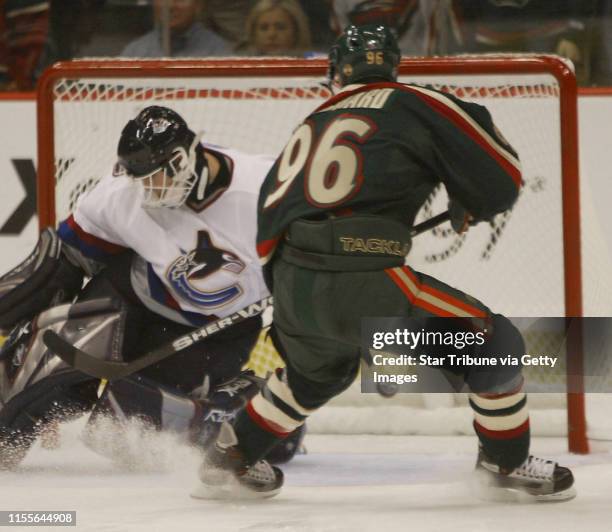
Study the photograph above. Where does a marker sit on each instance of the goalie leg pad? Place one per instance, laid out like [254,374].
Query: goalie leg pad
[37,387]
[146,400]
[43,279]
[57,398]
[129,410]
[161,408]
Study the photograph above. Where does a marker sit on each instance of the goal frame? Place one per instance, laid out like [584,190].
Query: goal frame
[285,67]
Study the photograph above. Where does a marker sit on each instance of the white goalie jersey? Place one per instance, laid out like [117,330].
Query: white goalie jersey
[193,263]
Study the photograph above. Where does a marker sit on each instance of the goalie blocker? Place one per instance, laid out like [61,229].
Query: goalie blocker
[45,278]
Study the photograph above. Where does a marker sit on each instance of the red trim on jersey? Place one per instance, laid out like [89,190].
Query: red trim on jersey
[345,94]
[503,434]
[267,247]
[93,240]
[471,132]
[344,211]
[266,424]
[444,110]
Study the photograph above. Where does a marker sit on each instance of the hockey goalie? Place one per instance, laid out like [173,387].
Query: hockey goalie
[166,242]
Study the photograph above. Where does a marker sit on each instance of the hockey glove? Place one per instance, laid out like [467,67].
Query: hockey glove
[460,218]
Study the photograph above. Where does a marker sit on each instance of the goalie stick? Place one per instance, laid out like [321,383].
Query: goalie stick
[111,370]
[108,369]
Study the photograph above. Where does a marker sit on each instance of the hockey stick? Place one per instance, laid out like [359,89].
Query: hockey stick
[434,221]
[108,369]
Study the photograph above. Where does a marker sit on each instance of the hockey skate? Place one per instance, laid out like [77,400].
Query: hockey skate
[536,479]
[226,474]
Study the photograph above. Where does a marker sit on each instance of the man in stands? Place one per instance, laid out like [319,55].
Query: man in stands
[187,36]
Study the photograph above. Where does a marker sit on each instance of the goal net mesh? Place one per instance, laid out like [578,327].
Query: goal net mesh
[514,264]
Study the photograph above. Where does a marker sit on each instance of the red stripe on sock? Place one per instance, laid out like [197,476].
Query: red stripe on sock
[502,395]
[266,424]
[502,434]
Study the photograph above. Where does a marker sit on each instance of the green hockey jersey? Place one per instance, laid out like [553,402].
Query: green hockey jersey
[381,149]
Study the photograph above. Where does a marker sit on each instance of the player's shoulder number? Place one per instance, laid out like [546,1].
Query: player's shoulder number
[332,163]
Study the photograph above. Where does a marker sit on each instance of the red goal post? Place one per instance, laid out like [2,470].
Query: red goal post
[106,86]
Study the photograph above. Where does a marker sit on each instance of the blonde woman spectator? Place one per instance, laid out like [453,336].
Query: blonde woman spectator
[276,27]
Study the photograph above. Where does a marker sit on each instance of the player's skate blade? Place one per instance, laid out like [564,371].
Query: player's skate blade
[536,480]
[226,474]
[231,489]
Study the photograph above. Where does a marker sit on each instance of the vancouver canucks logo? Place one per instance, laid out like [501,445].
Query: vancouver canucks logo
[185,273]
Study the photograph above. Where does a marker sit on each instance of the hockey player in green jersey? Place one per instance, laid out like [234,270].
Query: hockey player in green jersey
[334,220]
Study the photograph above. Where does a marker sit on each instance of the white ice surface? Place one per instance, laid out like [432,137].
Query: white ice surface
[344,483]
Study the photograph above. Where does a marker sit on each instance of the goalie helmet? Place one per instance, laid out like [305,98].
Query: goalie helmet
[364,53]
[158,150]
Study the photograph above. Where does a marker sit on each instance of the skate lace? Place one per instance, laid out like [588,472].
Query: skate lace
[537,468]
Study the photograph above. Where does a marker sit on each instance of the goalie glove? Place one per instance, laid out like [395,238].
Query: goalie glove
[460,218]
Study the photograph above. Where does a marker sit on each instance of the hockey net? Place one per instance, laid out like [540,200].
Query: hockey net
[527,263]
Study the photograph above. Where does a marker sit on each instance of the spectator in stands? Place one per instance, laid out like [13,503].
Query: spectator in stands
[601,73]
[24,28]
[276,27]
[188,37]
[561,28]
[227,18]
[319,14]
[72,26]
[423,27]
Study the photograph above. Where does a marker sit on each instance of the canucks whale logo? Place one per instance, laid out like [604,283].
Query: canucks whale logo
[185,272]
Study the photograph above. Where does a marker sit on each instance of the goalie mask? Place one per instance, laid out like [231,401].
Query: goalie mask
[364,53]
[159,151]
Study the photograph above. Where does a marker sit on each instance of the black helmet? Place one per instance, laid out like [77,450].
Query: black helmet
[159,139]
[148,141]
[364,53]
